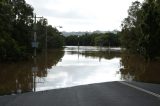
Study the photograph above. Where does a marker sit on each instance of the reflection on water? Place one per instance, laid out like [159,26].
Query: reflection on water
[23,76]
[136,68]
[83,65]
[74,66]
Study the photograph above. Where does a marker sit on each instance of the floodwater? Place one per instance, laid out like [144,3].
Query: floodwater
[73,66]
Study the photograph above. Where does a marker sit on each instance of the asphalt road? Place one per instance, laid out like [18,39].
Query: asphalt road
[103,94]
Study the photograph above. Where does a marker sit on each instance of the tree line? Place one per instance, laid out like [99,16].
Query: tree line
[16,31]
[141,29]
[93,39]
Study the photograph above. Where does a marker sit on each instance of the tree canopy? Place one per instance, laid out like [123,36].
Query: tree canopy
[16,30]
[141,29]
[94,39]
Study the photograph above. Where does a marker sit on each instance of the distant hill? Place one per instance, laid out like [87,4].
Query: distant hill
[74,33]
[82,33]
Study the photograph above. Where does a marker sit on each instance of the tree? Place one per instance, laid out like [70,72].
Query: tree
[94,39]
[130,28]
[107,39]
[22,24]
[55,38]
[16,31]
[151,28]
[72,40]
[141,29]
[8,45]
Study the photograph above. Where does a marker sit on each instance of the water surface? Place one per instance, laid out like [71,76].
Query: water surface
[82,65]
[73,66]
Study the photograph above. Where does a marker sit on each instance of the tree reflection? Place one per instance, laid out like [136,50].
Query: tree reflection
[102,54]
[107,54]
[19,77]
[136,68]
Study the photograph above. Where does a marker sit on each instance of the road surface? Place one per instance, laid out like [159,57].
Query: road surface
[102,94]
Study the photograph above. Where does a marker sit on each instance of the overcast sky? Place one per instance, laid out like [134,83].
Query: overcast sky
[83,15]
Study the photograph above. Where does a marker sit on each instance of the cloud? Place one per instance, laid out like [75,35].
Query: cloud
[80,14]
[70,14]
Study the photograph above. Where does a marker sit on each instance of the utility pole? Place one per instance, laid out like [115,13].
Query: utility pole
[35,46]
[46,44]
[35,43]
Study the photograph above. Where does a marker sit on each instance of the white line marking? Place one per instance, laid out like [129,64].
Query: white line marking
[141,89]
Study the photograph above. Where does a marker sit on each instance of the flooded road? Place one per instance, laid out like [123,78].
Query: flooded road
[74,66]
[79,66]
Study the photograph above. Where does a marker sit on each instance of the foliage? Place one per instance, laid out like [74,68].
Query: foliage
[16,31]
[14,25]
[107,39]
[141,29]
[55,38]
[94,39]
[71,40]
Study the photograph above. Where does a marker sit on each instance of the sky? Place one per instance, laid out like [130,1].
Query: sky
[83,15]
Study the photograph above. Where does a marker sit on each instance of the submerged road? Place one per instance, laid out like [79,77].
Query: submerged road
[103,94]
